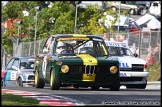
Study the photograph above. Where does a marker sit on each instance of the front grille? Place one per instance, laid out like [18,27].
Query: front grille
[131,79]
[31,77]
[125,69]
[135,67]
[89,68]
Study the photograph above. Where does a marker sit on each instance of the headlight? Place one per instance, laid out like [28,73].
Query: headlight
[65,68]
[113,69]
[58,63]
[145,66]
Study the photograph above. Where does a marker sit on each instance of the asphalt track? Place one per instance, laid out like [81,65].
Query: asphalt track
[73,97]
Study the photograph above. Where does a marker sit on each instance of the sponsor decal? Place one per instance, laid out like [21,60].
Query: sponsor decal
[44,65]
[7,77]
[78,35]
[88,44]
[123,74]
[96,39]
[73,38]
[123,64]
[115,44]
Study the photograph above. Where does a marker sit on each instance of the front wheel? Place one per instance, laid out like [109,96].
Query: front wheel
[139,86]
[39,83]
[95,88]
[54,81]
[116,85]
[20,82]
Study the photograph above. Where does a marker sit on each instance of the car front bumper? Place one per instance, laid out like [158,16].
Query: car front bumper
[133,77]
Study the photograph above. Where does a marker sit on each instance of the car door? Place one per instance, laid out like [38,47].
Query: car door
[47,52]
[15,69]
[10,71]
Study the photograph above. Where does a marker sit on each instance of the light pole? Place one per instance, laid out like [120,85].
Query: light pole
[17,41]
[118,19]
[76,11]
[35,36]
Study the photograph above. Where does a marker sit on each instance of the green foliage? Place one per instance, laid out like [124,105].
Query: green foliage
[154,71]
[62,12]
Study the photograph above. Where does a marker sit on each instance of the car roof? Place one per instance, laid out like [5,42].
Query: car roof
[76,35]
[22,57]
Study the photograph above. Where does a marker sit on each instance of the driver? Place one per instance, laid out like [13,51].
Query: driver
[60,47]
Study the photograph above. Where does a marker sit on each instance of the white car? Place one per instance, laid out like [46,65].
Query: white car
[155,8]
[124,5]
[133,70]
[20,71]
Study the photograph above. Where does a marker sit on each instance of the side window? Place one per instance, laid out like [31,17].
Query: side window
[16,63]
[48,45]
[9,65]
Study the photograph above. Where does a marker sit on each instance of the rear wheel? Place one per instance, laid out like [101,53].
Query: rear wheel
[54,81]
[39,83]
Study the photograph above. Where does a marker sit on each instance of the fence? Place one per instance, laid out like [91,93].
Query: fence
[146,44]
[27,48]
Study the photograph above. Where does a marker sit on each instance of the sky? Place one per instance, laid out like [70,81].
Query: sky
[4,2]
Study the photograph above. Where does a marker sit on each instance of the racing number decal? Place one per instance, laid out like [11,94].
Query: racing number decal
[44,66]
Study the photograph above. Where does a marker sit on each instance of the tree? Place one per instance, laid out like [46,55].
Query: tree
[63,14]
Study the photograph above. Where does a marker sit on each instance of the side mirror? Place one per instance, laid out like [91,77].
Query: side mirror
[14,68]
[45,50]
[135,54]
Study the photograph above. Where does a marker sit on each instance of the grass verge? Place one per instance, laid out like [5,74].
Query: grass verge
[155,72]
[17,100]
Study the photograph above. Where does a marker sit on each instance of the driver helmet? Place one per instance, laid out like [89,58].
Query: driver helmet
[60,47]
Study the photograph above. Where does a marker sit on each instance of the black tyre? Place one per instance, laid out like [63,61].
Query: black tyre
[39,83]
[116,85]
[20,82]
[54,81]
[75,86]
[95,88]
[139,86]
[2,82]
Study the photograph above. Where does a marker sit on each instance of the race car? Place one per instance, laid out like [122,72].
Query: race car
[133,70]
[19,72]
[63,64]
